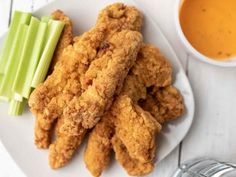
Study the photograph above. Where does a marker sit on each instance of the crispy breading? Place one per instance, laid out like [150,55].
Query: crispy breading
[135,87]
[136,129]
[133,166]
[153,68]
[97,98]
[118,17]
[164,104]
[98,150]
[150,69]
[65,146]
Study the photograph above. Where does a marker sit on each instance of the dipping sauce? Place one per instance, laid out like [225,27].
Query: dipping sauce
[210,26]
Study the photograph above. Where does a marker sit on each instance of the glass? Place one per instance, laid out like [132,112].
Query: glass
[206,167]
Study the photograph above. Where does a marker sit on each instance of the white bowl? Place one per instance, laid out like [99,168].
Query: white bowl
[230,62]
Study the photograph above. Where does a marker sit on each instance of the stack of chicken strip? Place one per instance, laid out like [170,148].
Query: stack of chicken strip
[115,41]
[91,80]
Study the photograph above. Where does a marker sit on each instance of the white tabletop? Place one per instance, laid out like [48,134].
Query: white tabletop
[213,131]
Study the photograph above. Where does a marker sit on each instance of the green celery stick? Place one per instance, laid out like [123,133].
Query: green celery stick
[13,62]
[17,19]
[46,18]
[29,58]
[16,107]
[54,31]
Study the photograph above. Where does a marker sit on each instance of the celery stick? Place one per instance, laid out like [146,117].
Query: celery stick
[46,18]
[13,62]
[29,58]
[54,31]
[17,19]
[16,107]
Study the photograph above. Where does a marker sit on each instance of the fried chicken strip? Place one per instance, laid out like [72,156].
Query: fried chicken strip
[133,166]
[135,87]
[91,105]
[164,104]
[116,17]
[170,104]
[119,17]
[153,68]
[136,129]
[98,150]
[49,98]
[62,150]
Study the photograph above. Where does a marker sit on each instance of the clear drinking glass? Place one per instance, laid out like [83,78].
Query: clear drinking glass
[206,167]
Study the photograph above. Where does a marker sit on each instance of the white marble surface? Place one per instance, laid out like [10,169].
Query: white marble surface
[213,131]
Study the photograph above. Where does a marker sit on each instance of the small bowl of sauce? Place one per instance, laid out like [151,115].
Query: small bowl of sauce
[207,28]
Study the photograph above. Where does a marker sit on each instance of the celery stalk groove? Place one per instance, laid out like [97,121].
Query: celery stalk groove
[17,19]
[30,57]
[13,63]
[54,31]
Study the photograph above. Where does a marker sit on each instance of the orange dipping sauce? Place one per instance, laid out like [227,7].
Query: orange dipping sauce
[210,26]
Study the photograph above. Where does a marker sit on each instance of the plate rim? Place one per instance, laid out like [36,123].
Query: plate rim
[156,25]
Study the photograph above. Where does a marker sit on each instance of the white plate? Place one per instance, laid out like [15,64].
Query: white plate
[17,133]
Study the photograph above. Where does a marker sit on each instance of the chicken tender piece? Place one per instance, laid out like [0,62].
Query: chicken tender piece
[119,17]
[164,104]
[66,37]
[98,151]
[115,17]
[91,105]
[153,68]
[150,69]
[135,87]
[136,128]
[49,98]
[65,146]
[133,166]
